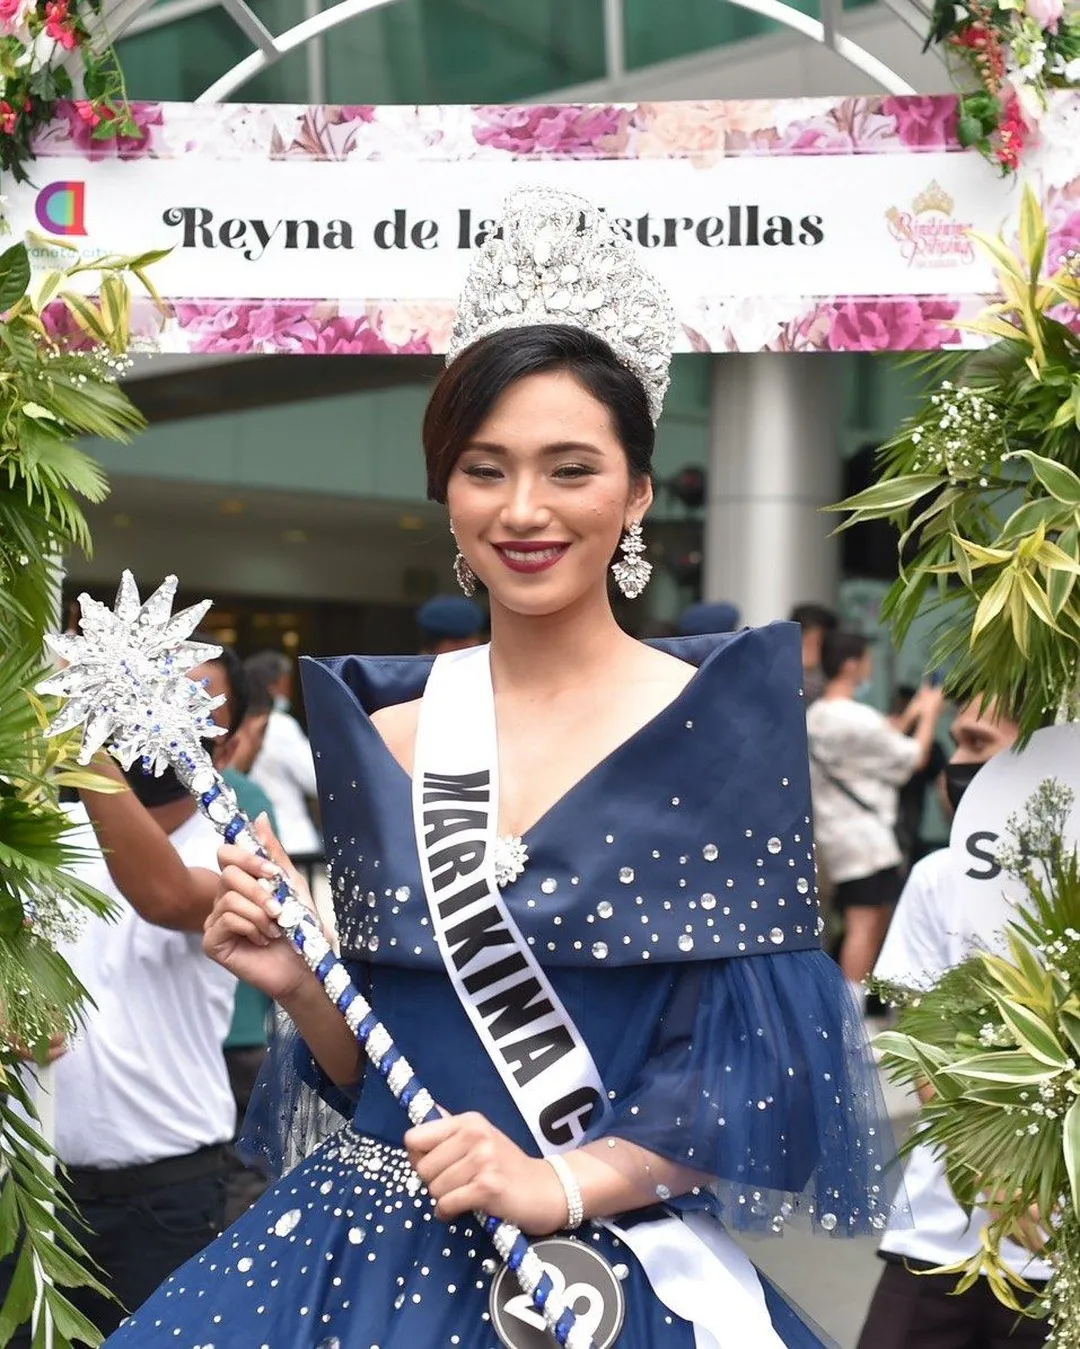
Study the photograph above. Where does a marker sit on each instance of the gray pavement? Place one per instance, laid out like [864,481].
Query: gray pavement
[832,1279]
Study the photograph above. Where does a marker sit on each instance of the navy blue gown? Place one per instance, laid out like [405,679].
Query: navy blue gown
[670,897]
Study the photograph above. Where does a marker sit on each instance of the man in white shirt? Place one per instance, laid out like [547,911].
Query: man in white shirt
[935,927]
[285,766]
[143,1104]
[858,761]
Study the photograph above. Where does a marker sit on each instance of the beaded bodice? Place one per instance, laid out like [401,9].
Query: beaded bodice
[691,841]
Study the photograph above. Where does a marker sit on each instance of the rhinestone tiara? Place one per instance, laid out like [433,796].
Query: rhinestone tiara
[559,259]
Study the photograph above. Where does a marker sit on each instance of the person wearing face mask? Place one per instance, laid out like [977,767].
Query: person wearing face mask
[914,793]
[935,927]
[858,761]
[143,1103]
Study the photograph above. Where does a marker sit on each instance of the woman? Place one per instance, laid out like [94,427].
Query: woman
[646,997]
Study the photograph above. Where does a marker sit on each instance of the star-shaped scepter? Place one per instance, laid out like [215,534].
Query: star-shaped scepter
[125,678]
[126,683]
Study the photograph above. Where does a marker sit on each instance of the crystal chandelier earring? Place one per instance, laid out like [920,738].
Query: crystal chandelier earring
[632,572]
[466,577]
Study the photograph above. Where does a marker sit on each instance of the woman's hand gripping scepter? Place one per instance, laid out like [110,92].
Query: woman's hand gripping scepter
[126,681]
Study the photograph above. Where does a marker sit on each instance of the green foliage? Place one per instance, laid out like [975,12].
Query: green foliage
[49,396]
[40,46]
[1012,57]
[50,1255]
[984,483]
[998,1038]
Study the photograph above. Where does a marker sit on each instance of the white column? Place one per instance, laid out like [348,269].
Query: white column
[774,463]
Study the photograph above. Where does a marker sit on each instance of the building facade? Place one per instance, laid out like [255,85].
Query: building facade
[291,489]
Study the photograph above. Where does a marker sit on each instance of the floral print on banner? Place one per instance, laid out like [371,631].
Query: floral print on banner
[313,327]
[700,133]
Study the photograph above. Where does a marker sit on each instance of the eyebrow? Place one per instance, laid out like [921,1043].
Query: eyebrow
[560,447]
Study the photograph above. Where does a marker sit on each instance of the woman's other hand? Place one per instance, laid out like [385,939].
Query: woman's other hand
[466,1163]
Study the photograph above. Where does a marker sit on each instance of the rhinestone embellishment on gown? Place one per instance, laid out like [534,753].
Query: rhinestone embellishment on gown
[511,854]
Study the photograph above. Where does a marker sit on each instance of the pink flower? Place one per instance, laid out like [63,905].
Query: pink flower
[816,138]
[1046,13]
[87,111]
[821,135]
[72,126]
[899,323]
[323,133]
[854,126]
[241,327]
[340,336]
[582,130]
[926,122]
[13,13]
[1064,241]
[306,327]
[59,25]
[63,330]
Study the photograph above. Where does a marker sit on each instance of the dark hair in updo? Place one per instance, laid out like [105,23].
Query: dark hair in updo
[469,388]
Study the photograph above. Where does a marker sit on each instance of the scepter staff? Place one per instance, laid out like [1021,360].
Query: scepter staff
[126,683]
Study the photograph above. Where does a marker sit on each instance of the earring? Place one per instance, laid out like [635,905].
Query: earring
[466,577]
[633,572]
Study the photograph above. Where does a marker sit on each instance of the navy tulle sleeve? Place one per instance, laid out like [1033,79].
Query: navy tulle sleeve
[294,1106]
[760,1077]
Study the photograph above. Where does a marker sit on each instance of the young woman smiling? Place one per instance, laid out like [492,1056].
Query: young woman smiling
[573,873]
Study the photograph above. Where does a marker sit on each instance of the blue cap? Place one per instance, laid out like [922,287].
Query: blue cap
[450,616]
[700,620]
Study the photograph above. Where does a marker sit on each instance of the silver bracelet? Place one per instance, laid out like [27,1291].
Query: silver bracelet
[575,1209]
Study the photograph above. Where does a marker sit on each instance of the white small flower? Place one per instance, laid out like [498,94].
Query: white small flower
[1031,100]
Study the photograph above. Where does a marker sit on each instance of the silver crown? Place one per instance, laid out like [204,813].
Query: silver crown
[558,259]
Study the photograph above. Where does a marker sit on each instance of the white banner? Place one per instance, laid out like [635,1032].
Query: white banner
[830,224]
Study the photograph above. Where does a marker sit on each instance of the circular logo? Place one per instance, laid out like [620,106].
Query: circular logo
[997,796]
[581,1278]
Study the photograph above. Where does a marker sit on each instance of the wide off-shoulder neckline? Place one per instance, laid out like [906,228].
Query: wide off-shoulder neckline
[657,723]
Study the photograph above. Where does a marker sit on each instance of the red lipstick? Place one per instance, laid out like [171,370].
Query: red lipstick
[529,558]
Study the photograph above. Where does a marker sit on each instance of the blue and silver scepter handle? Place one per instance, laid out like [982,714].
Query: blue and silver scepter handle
[218,803]
[125,683]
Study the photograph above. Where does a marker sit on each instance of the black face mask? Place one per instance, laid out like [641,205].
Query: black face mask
[162,791]
[958,778]
[152,791]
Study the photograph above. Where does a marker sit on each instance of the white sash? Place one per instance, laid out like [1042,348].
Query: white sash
[694,1267]
[527,1032]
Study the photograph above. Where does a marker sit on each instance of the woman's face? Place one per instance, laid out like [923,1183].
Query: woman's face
[540,496]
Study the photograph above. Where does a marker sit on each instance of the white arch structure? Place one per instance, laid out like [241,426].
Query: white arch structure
[132,16]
